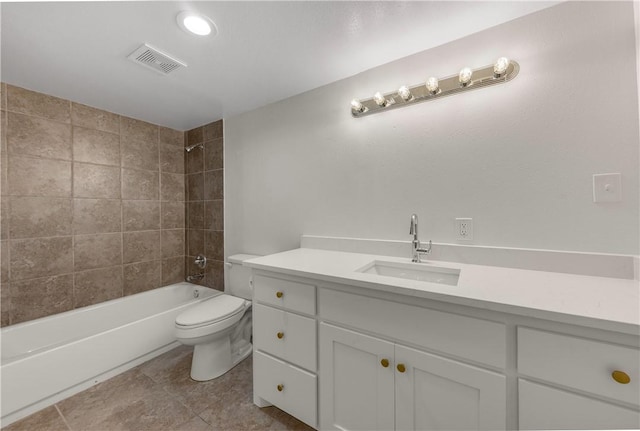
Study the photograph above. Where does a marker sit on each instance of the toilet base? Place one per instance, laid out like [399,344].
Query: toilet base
[213,359]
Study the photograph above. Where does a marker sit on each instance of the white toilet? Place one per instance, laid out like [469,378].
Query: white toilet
[219,328]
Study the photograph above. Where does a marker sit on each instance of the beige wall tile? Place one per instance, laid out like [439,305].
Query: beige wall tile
[40,257]
[173,243]
[95,146]
[3,132]
[4,217]
[140,215]
[4,174]
[4,261]
[39,177]
[194,161]
[195,242]
[214,154]
[172,158]
[138,130]
[213,130]
[33,136]
[97,216]
[96,181]
[139,154]
[173,270]
[195,187]
[142,276]
[214,215]
[195,136]
[195,215]
[5,303]
[214,275]
[3,96]
[213,184]
[172,187]
[141,246]
[40,297]
[97,285]
[40,105]
[37,217]
[93,118]
[140,185]
[171,136]
[173,215]
[97,251]
[214,244]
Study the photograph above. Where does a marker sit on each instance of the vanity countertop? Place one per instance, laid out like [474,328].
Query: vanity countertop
[599,302]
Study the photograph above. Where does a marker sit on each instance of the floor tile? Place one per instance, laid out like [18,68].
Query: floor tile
[47,419]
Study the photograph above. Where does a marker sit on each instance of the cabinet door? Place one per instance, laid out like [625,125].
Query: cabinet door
[356,390]
[434,393]
[542,407]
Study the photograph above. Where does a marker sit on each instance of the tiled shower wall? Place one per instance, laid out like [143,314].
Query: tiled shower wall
[205,222]
[92,205]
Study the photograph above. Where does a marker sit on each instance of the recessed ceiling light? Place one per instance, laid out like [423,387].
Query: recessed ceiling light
[196,23]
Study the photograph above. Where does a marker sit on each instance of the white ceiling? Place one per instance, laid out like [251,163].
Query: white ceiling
[264,51]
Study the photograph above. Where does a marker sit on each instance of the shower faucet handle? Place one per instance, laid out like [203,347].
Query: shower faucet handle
[200,261]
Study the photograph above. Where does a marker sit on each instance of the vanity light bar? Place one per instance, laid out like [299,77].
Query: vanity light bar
[502,71]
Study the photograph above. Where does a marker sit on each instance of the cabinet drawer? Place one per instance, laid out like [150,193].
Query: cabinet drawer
[466,337]
[579,363]
[286,387]
[285,335]
[283,293]
[542,408]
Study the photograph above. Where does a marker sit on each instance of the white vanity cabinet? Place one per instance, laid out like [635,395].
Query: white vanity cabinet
[350,357]
[369,383]
[285,343]
[569,382]
[375,382]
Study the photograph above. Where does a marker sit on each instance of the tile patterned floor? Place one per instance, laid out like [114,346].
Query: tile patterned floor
[159,396]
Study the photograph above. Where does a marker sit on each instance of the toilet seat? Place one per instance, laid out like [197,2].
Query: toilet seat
[210,311]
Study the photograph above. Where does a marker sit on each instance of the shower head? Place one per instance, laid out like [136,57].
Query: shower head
[191,147]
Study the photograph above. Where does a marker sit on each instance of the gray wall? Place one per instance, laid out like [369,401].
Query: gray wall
[518,157]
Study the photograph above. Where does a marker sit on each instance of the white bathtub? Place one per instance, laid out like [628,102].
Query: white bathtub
[52,358]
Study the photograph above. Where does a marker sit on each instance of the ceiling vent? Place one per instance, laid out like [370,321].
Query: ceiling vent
[150,57]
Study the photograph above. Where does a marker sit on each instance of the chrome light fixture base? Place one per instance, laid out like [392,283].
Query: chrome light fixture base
[483,77]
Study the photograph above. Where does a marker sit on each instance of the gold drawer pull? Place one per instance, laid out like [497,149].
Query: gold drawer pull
[280,388]
[279,294]
[621,377]
[385,363]
[280,335]
[401,368]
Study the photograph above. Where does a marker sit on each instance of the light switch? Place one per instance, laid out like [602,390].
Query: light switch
[607,188]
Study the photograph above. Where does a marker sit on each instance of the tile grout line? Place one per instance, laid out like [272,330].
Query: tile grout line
[62,417]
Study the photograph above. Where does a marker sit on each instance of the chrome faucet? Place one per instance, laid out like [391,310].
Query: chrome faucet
[416,247]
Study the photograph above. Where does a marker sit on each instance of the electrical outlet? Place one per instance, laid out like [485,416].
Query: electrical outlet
[464,229]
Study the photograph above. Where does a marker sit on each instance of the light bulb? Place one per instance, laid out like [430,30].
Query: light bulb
[500,67]
[405,93]
[432,85]
[465,76]
[379,99]
[356,106]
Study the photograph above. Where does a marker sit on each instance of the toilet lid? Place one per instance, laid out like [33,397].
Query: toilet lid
[211,310]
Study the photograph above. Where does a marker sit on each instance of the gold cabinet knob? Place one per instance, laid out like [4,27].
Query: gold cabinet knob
[401,368]
[279,294]
[384,363]
[280,334]
[621,377]
[280,388]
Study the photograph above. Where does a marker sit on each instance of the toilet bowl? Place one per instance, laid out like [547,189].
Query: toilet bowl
[219,328]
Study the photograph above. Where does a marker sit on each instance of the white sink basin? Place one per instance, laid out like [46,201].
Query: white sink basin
[413,271]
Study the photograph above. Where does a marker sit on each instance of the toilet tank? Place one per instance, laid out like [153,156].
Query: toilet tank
[240,276]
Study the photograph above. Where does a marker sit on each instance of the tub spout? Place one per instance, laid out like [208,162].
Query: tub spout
[195,277]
